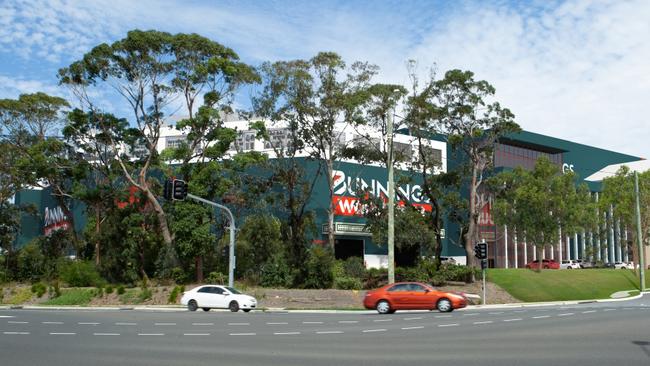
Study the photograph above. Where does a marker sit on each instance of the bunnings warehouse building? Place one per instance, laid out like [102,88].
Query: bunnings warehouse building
[506,246]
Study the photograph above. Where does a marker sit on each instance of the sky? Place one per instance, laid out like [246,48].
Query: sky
[577,70]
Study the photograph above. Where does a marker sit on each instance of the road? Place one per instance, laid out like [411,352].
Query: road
[616,333]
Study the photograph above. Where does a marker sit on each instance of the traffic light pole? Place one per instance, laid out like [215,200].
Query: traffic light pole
[483,266]
[231,261]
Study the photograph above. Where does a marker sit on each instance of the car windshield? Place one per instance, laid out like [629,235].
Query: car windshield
[233,291]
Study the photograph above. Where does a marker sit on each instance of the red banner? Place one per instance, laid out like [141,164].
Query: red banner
[351,206]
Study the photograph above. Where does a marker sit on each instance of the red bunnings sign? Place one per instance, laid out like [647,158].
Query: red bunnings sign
[55,220]
[346,202]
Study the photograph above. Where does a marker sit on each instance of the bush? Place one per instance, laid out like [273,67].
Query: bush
[109,289]
[453,272]
[178,275]
[120,290]
[173,295]
[39,289]
[80,274]
[347,283]
[354,267]
[54,290]
[276,272]
[216,278]
[144,295]
[375,277]
[31,263]
[73,297]
[318,269]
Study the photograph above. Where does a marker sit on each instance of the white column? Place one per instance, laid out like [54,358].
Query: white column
[583,246]
[610,247]
[619,245]
[559,244]
[626,250]
[591,247]
[575,247]
[568,247]
[505,244]
[598,258]
[552,252]
[515,247]
[525,251]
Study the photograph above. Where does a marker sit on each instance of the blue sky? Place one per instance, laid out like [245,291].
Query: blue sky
[575,69]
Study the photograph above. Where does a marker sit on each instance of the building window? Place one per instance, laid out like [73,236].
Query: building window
[245,141]
[509,156]
[278,138]
[174,142]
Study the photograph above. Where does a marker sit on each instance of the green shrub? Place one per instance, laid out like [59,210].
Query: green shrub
[348,283]
[30,263]
[120,290]
[338,270]
[144,295]
[20,296]
[173,295]
[73,297]
[2,295]
[99,291]
[354,267]
[318,269]
[109,289]
[39,289]
[375,278]
[54,290]
[216,278]
[80,274]
[453,272]
[276,272]
[178,275]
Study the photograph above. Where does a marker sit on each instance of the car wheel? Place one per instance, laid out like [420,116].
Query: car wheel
[206,309]
[192,305]
[545,267]
[246,310]
[234,306]
[444,305]
[383,307]
[569,268]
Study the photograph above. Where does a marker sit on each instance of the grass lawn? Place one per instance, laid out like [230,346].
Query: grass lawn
[557,285]
[75,296]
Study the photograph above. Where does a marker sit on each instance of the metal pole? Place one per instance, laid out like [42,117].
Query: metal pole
[484,289]
[639,238]
[391,203]
[231,260]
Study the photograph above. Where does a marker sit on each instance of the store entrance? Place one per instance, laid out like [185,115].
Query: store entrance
[408,256]
[346,248]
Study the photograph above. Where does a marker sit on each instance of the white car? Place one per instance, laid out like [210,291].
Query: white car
[217,297]
[570,264]
[623,265]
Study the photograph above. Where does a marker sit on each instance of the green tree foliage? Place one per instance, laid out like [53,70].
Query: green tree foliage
[259,239]
[319,266]
[541,201]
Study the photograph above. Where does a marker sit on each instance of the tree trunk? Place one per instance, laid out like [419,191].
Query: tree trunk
[330,213]
[539,257]
[97,231]
[199,269]
[438,227]
[470,236]
[160,213]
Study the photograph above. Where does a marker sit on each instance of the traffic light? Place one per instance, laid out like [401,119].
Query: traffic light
[167,191]
[480,250]
[179,191]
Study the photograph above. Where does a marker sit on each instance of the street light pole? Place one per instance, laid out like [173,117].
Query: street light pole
[391,202]
[639,239]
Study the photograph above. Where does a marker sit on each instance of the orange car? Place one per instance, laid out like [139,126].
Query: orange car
[412,296]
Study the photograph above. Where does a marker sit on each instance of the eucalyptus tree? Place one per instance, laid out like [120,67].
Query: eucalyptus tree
[462,108]
[538,202]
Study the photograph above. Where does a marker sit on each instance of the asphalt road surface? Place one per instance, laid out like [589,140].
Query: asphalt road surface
[616,333]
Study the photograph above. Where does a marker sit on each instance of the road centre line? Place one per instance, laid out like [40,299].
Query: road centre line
[243,334]
[511,320]
[541,317]
[239,323]
[609,309]
[348,321]
[164,323]
[589,311]
[330,332]
[448,325]
[15,333]
[484,322]
[7,316]
[520,311]
[496,313]
[16,322]
[63,333]
[373,330]
[382,320]
[202,323]
[444,316]
[565,314]
[151,334]
[88,323]
[415,318]
[277,323]
[411,328]
[52,322]
[471,314]
[196,334]
[106,334]
[126,323]
[286,333]
[312,322]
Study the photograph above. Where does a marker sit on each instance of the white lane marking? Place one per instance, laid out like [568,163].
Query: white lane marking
[202,323]
[519,311]
[589,311]
[383,320]
[63,333]
[7,316]
[164,323]
[410,328]
[628,308]
[511,320]
[496,313]
[312,322]
[106,334]
[286,333]
[485,322]
[415,318]
[443,316]
[126,323]
[16,322]
[609,309]
[470,314]
[542,310]
[330,332]
[448,325]
[373,330]
[565,314]
[151,334]
[15,333]
[88,323]
[277,323]
[239,323]
[541,317]
[52,322]
[348,321]
[243,334]
[196,334]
